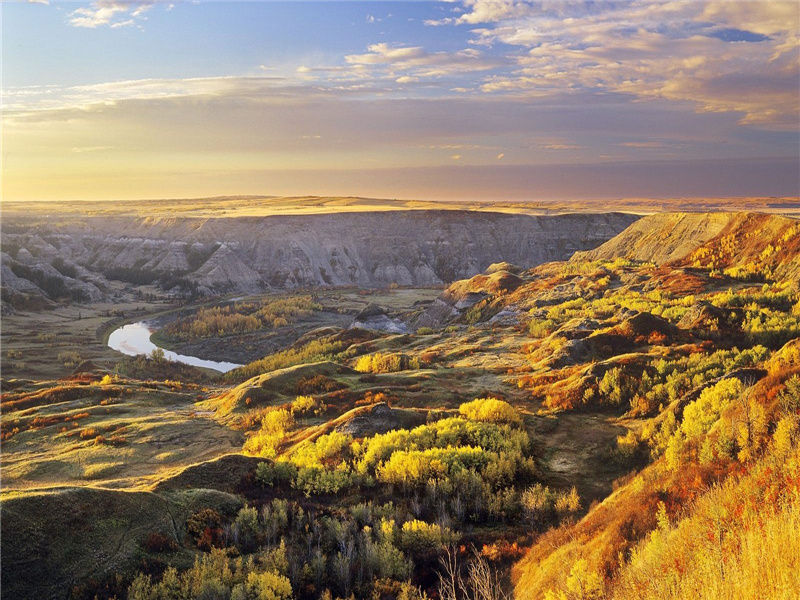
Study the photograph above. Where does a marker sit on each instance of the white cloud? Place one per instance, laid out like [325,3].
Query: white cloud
[489,11]
[114,13]
[652,49]
[416,62]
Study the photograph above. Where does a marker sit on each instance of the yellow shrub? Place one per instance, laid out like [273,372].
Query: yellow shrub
[491,410]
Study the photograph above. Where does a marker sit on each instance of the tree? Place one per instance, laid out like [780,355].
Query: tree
[245,529]
[263,586]
[583,583]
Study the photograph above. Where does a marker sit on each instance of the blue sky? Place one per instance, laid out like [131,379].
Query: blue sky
[118,98]
[206,39]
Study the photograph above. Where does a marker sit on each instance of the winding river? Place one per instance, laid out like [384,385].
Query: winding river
[134,339]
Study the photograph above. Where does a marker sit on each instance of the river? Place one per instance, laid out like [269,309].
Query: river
[134,339]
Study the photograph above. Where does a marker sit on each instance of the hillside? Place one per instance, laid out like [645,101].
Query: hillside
[753,245]
[81,257]
[604,427]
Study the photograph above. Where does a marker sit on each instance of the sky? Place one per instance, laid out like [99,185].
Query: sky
[470,99]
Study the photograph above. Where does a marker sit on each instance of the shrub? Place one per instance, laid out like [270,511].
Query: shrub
[263,586]
[266,440]
[313,480]
[269,474]
[700,415]
[568,502]
[538,502]
[628,445]
[423,539]
[541,328]
[584,583]
[321,450]
[490,410]
[316,384]
[69,358]
[241,317]
[245,529]
[306,404]
[385,363]
[205,527]
[616,387]
[315,350]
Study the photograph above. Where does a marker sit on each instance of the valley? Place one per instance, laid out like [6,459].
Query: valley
[523,403]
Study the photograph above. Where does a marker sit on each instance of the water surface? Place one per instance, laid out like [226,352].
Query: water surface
[133,339]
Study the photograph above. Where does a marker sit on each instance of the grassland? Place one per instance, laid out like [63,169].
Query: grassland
[259,206]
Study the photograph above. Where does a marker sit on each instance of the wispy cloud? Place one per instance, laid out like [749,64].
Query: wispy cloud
[418,62]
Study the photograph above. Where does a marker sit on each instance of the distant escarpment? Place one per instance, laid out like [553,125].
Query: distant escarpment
[50,260]
[748,246]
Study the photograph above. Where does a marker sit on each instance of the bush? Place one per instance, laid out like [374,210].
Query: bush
[266,440]
[317,384]
[419,538]
[306,404]
[541,328]
[490,410]
[628,445]
[322,450]
[245,529]
[313,480]
[385,363]
[279,472]
[700,415]
[214,577]
[205,527]
[568,502]
[616,386]
[69,358]
[263,586]
[538,502]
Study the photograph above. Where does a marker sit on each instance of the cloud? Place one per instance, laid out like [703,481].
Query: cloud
[82,149]
[231,128]
[643,144]
[724,56]
[561,147]
[488,11]
[439,22]
[417,62]
[110,12]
